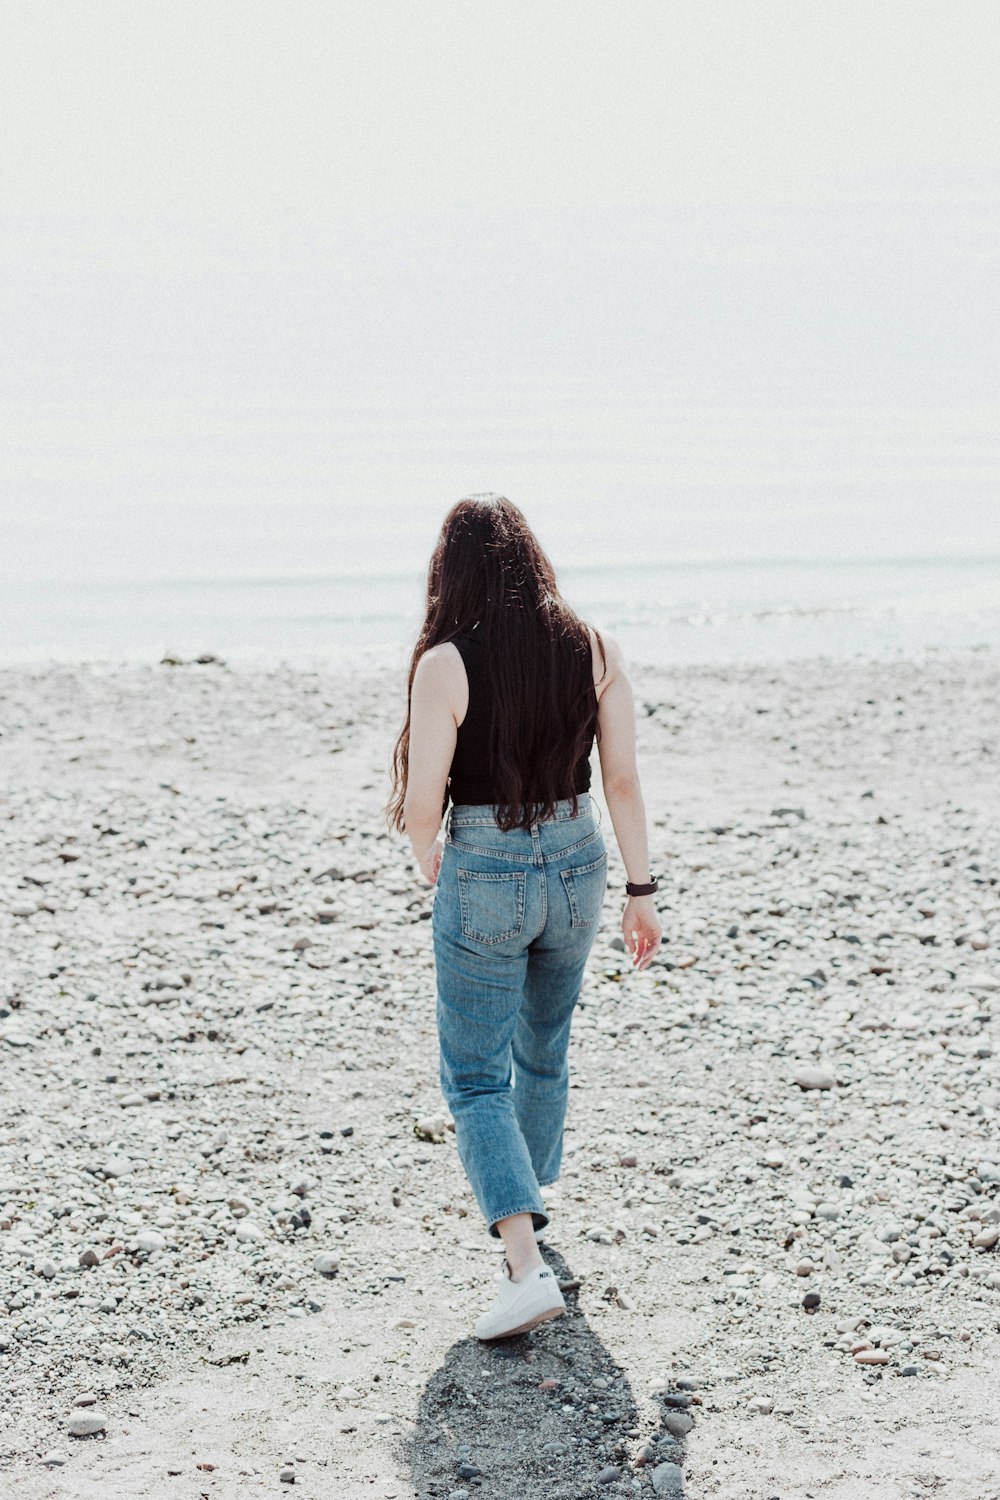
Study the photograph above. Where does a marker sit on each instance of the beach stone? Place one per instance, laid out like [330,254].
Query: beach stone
[820,1077]
[287,1475]
[168,980]
[668,1480]
[86,1398]
[678,1423]
[86,1421]
[89,1257]
[118,1166]
[609,1474]
[872,1357]
[986,1239]
[326,1263]
[249,1233]
[54,1458]
[150,1240]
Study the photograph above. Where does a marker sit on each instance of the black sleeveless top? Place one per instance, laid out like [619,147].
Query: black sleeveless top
[470,769]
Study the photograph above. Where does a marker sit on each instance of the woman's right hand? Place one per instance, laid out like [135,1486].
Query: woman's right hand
[641,930]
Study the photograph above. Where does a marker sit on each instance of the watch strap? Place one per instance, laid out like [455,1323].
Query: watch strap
[649,889]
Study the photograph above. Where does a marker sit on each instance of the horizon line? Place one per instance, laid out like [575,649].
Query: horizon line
[401,574]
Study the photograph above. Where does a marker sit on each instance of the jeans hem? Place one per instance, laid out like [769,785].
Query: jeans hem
[524,1208]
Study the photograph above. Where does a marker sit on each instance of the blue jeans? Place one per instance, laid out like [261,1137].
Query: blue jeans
[514,918]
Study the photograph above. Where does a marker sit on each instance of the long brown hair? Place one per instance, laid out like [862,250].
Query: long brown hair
[488,567]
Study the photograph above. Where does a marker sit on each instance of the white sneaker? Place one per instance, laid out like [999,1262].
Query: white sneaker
[522,1305]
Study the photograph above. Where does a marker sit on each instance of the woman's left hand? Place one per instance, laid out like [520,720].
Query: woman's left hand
[430,862]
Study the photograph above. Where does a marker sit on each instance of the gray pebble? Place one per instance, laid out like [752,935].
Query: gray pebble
[668,1479]
[678,1423]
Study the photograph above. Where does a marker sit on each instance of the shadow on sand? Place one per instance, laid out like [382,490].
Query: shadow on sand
[545,1413]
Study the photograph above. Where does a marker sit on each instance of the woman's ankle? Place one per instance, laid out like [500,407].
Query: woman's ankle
[524,1266]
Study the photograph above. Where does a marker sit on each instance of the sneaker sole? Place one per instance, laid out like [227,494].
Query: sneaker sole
[542,1317]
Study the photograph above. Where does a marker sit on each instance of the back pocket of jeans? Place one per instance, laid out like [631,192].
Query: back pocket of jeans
[585,886]
[491,904]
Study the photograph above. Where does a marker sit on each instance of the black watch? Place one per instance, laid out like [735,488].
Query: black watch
[631,889]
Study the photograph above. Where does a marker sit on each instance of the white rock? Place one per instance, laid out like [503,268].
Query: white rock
[326,1263]
[86,1421]
[118,1166]
[149,1240]
[819,1077]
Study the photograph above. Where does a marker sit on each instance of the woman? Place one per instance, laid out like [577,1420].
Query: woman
[508,689]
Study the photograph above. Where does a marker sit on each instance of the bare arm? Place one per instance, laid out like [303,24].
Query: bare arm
[619,772]
[623,794]
[433,734]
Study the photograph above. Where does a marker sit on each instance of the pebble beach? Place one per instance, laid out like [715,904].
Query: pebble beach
[238,1253]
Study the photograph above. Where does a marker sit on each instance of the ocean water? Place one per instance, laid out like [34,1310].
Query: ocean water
[660,613]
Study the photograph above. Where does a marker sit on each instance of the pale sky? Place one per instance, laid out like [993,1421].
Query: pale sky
[280,282]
